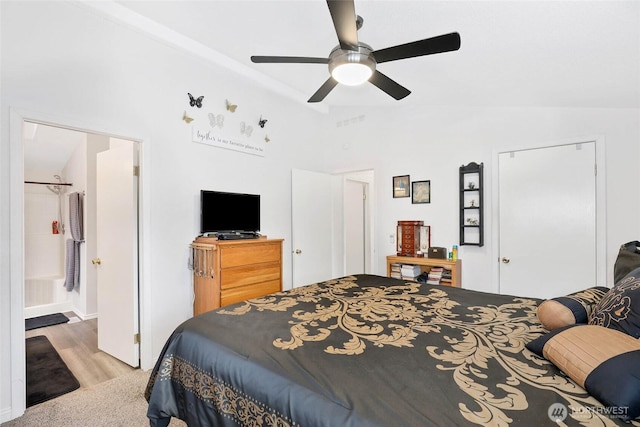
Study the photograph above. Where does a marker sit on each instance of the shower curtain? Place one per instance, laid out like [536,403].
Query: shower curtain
[72,269]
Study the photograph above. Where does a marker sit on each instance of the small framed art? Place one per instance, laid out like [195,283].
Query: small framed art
[401,186]
[421,192]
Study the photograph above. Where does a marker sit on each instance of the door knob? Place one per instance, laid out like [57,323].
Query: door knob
[298,251]
[506,260]
[96,261]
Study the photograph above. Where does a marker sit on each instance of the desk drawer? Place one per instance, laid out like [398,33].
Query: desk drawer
[234,295]
[249,274]
[249,254]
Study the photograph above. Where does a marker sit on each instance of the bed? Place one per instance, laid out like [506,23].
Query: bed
[367,350]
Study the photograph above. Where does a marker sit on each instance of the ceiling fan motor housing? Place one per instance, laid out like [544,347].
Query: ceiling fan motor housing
[362,57]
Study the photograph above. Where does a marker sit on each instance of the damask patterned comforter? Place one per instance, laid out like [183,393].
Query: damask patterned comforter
[364,351]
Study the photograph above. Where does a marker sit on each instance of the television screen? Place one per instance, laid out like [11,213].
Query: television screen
[221,211]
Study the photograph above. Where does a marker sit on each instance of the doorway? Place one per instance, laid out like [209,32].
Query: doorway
[331,225]
[550,236]
[18,175]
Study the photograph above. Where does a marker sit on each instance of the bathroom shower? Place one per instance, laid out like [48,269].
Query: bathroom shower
[58,189]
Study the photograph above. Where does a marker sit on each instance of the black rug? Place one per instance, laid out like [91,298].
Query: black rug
[46,320]
[47,374]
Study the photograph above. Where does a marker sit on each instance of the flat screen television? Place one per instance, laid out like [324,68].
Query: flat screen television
[220,212]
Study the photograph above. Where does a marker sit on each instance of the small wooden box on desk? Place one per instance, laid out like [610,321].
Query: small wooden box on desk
[455,266]
[234,270]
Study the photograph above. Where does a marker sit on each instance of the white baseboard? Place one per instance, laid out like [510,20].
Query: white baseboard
[5,415]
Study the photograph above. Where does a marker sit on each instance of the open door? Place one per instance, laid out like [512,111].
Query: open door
[311,223]
[117,249]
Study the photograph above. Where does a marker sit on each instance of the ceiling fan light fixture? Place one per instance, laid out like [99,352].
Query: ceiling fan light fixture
[350,67]
[352,74]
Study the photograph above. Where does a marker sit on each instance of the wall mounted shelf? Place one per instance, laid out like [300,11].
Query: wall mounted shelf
[472,204]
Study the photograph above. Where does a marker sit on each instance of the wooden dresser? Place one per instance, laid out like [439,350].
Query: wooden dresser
[230,271]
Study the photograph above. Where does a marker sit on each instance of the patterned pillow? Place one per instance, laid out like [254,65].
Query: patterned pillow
[571,309]
[605,362]
[620,308]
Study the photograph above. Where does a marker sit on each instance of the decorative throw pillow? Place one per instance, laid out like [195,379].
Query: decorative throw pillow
[605,362]
[571,309]
[620,308]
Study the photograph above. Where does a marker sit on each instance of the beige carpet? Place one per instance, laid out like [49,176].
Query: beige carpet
[115,403]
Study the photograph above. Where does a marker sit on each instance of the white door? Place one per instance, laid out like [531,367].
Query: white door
[547,214]
[354,226]
[311,230]
[117,249]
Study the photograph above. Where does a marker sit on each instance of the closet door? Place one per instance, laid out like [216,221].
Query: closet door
[547,220]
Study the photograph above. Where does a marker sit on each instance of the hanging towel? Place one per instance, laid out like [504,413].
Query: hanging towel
[72,269]
[76,216]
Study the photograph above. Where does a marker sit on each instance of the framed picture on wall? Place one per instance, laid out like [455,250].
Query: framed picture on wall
[421,192]
[401,186]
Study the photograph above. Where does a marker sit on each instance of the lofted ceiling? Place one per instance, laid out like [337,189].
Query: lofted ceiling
[513,53]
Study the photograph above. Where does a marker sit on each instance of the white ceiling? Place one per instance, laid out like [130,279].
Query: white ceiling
[47,149]
[514,53]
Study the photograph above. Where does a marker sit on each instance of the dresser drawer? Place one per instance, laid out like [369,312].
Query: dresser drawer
[249,254]
[234,295]
[249,274]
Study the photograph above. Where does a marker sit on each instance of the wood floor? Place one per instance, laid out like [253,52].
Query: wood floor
[77,344]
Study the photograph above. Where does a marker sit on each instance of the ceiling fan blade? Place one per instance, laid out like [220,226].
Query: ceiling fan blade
[324,90]
[438,44]
[289,60]
[343,13]
[392,88]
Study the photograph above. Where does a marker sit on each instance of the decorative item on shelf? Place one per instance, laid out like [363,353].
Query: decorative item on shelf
[262,122]
[471,204]
[195,102]
[425,240]
[231,107]
[216,120]
[436,252]
[421,192]
[186,118]
[408,235]
[401,186]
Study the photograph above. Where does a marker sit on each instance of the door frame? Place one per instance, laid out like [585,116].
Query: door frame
[16,239]
[601,202]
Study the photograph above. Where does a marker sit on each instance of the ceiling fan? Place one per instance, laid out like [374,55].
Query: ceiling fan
[353,62]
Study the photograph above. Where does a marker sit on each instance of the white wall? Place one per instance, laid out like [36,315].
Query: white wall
[84,69]
[44,251]
[432,143]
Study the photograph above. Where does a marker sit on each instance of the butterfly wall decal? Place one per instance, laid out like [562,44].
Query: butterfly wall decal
[266,138]
[186,118]
[245,129]
[195,102]
[231,107]
[262,122]
[216,120]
